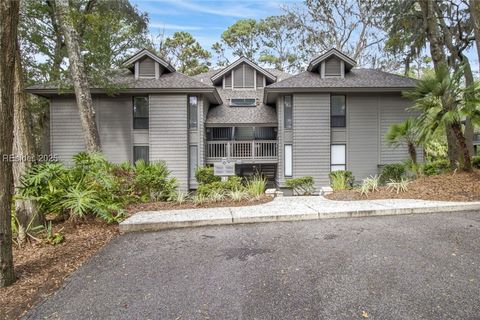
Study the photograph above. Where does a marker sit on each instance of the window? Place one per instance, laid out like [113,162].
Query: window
[288,112]
[243,102]
[288,162]
[243,76]
[192,112]
[140,153]
[338,157]
[140,112]
[338,112]
[193,163]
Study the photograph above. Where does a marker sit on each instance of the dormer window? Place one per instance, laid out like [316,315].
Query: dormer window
[146,64]
[332,64]
[243,102]
[333,67]
[243,74]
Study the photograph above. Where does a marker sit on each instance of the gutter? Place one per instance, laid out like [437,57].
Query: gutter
[268,90]
[49,92]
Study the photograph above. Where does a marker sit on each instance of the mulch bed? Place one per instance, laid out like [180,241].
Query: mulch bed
[156,206]
[41,268]
[451,186]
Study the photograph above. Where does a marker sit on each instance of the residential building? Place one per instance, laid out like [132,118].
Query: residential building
[332,116]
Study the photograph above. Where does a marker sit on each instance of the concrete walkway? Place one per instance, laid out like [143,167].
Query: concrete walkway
[286,209]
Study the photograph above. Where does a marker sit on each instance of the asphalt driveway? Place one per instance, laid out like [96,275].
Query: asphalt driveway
[399,267]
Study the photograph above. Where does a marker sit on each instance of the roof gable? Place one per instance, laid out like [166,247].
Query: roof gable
[315,63]
[147,53]
[217,76]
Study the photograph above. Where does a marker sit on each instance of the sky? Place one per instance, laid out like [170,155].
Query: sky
[207,19]
[204,19]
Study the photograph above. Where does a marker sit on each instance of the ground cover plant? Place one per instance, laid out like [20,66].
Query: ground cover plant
[301,185]
[341,179]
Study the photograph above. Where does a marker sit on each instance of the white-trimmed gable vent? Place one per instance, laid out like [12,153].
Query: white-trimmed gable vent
[332,64]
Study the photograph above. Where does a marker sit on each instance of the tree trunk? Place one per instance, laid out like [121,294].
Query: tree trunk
[412,151]
[439,59]
[467,163]
[23,146]
[79,78]
[9,12]
[475,13]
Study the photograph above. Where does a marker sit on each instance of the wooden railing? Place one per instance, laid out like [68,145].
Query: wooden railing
[242,150]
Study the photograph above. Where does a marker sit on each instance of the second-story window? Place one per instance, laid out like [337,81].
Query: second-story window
[192,112]
[288,112]
[140,112]
[243,102]
[338,111]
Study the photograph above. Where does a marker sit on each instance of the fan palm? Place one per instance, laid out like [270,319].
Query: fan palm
[443,102]
[405,133]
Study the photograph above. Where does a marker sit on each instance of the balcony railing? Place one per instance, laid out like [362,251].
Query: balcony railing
[242,150]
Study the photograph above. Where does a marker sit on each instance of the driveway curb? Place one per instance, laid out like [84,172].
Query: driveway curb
[173,219]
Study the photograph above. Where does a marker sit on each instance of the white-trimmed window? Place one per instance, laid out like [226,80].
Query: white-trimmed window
[338,157]
[193,161]
[288,160]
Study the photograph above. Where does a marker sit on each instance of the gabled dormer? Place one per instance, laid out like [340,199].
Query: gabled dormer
[243,74]
[146,64]
[332,64]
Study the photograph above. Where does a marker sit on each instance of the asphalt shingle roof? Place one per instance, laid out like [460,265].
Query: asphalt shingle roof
[125,78]
[356,78]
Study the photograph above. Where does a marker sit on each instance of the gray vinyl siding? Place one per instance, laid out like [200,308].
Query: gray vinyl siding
[393,111]
[249,74]
[66,134]
[238,77]
[169,134]
[260,80]
[332,67]
[146,68]
[339,135]
[362,128]
[311,137]
[115,125]
[243,76]
[228,80]
[140,137]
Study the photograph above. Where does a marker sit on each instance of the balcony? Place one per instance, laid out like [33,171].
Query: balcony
[257,151]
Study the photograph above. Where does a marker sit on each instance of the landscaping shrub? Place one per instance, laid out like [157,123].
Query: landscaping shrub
[369,184]
[256,186]
[152,179]
[398,185]
[341,179]
[435,167]
[233,183]
[301,185]
[394,171]
[94,186]
[204,175]
[476,162]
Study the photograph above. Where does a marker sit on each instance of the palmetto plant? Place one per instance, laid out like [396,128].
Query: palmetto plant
[407,133]
[443,102]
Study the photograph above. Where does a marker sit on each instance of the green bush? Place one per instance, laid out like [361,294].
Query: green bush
[301,185]
[435,167]
[341,179]
[152,179]
[394,171]
[233,183]
[204,175]
[94,186]
[476,162]
[256,186]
